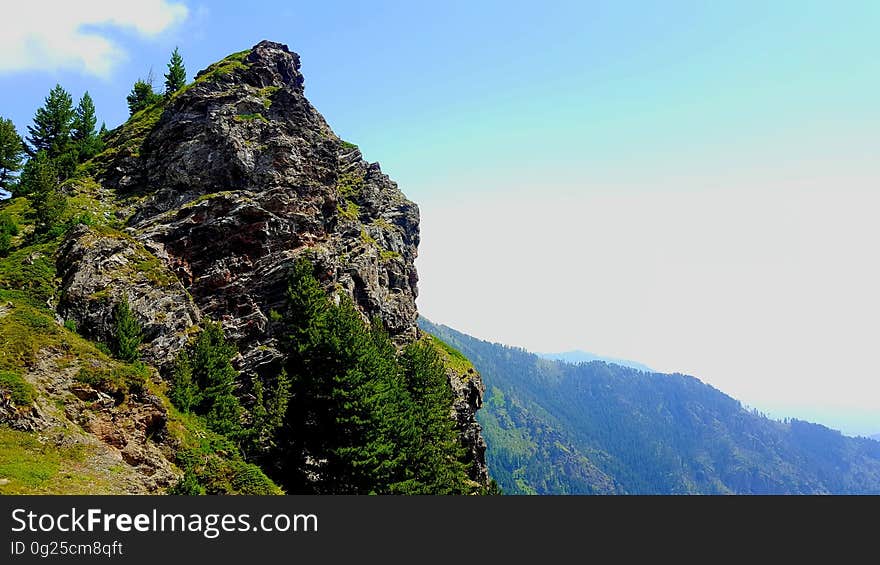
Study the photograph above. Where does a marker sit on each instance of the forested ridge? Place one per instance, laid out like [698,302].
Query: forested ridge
[555,428]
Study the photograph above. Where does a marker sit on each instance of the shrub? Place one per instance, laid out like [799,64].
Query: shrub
[187,486]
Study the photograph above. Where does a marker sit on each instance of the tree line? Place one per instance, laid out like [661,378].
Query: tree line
[62,137]
[345,413]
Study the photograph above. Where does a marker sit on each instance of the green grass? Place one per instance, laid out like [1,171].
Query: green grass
[348,145]
[267,93]
[383,224]
[220,69]
[385,255]
[367,238]
[154,270]
[21,391]
[214,460]
[351,211]
[18,209]
[251,117]
[349,184]
[127,139]
[223,68]
[86,205]
[452,357]
[26,331]
[117,380]
[39,467]
[31,270]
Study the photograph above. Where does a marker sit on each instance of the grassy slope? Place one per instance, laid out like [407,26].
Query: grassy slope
[69,460]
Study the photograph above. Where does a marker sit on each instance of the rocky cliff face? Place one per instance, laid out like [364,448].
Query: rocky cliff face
[220,190]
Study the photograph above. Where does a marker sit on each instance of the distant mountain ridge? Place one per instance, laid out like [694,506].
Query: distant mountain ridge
[558,428]
[578,356]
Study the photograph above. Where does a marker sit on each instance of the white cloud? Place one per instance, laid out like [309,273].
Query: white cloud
[50,36]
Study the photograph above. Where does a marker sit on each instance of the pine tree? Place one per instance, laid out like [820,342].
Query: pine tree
[52,124]
[267,413]
[183,393]
[436,458]
[141,96]
[39,182]
[175,79]
[360,418]
[84,121]
[11,154]
[84,136]
[214,375]
[126,332]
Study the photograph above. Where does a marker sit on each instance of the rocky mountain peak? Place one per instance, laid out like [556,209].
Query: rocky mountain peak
[219,190]
[267,64]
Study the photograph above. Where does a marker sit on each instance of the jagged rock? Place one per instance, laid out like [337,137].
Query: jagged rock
[243,175]
[469,390]
[237,178]
[100,269]
[23,418]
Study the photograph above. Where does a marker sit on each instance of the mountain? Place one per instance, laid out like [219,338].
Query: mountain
[229,201]
[578,356]
[554,428]
[875,437]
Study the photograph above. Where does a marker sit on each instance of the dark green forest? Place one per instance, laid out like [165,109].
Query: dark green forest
[555,428]
[347,414]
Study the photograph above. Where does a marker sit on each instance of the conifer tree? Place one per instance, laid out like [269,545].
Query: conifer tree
[52,124]
[83,134]
[126,332]
[268,412]
[141,96]
[360,418]
[175,79]
[39,182]
[183,393]
[435,459]
[84,120]
[11,154]
[214,375]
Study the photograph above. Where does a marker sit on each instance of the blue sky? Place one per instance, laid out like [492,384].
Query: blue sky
[686,184]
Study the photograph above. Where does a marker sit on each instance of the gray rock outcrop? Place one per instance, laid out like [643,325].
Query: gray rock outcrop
[237,177]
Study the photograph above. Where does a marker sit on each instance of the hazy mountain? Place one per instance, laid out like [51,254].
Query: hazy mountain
[578,356]
[553,427]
